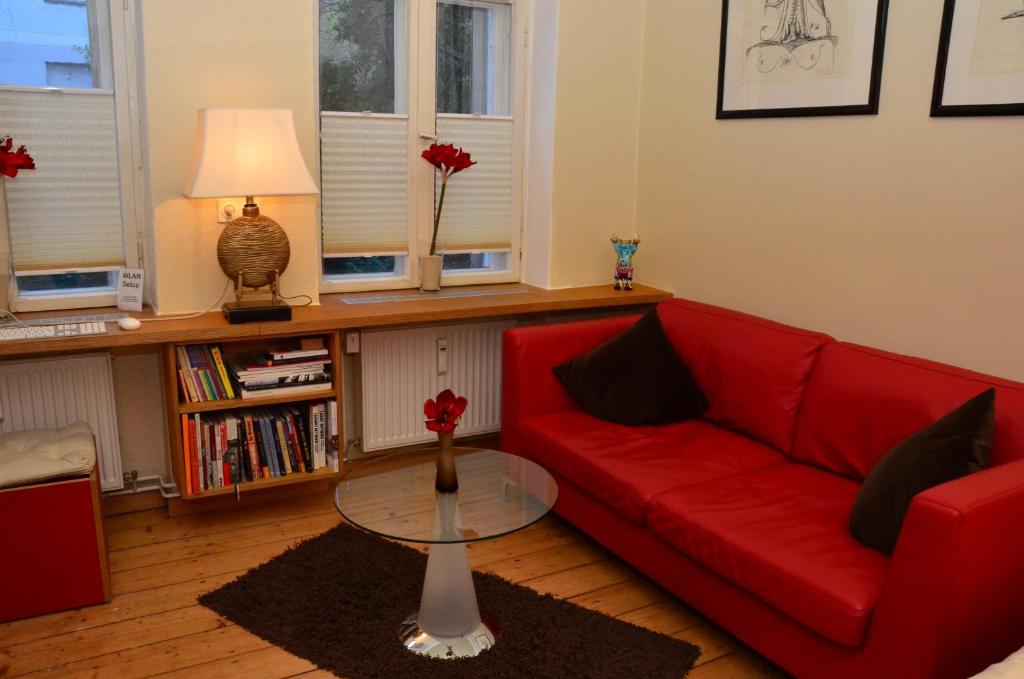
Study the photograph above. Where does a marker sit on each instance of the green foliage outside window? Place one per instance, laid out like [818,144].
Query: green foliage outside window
[357,55]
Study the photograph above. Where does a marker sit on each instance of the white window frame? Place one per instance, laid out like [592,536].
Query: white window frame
[421,23]
[118,62]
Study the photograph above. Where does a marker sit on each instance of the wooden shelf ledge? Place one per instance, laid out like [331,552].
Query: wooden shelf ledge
[237,403]
[324,474]
[334,314]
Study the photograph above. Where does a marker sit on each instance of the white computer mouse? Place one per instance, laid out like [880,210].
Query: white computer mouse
[129,323]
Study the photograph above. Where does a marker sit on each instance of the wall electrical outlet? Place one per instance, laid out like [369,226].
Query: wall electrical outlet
[228,209]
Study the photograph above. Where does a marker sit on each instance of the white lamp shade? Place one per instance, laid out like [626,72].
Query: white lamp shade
[248,152]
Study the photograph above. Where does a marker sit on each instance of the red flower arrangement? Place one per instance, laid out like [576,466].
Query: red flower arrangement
[443,414]
[448,160]
[13,161]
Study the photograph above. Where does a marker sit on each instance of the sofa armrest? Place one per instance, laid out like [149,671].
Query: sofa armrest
[529,353]
[954,599]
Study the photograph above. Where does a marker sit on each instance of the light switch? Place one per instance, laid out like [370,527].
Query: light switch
[351,342]
[442,355]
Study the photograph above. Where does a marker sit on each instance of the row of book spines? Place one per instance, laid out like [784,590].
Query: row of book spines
[252,446]
[210,461]
[287,436]
[202,373]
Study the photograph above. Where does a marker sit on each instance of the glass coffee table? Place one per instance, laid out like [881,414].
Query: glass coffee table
[393,496]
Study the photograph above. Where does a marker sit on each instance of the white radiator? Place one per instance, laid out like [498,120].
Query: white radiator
[52,392]
[402,368]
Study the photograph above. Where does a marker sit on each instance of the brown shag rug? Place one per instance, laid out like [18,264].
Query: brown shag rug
[338,599]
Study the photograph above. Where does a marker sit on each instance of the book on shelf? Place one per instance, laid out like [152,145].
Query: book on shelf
[222,372]
[318,430]
[309,347]
[287,389]
[281,372]
[333,454]
[202,374]
[243,369]
[239,446]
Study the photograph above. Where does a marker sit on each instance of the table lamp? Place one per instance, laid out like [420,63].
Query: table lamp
[250,152]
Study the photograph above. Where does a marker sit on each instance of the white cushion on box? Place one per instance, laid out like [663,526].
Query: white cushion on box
[41,454]
[1008,669]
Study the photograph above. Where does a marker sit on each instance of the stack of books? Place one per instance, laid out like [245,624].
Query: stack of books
[202,375]
[283,372]
[224,449]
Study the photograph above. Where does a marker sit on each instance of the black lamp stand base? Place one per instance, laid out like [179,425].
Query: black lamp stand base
[254,311]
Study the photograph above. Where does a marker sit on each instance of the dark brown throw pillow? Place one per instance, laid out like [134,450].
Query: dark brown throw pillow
[954,446]
[634,378]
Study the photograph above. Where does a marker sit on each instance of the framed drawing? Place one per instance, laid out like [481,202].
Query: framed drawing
[980,70]
[800,57]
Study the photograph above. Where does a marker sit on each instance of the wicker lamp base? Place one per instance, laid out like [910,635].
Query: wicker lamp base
[253,250]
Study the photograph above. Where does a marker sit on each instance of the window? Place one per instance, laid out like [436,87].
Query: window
[380,107]
[69,225]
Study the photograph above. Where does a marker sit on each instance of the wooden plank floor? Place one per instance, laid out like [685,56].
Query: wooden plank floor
[159,565]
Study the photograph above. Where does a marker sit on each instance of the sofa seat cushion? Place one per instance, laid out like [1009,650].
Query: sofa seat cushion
[624,467]
[780,534]
[41,454]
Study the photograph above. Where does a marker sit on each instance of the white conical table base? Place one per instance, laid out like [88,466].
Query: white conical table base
[448,624]
[395,496]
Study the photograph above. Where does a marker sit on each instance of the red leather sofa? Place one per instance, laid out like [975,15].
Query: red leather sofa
[743,514]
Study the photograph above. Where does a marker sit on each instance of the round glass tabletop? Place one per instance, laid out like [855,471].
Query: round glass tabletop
[394,496]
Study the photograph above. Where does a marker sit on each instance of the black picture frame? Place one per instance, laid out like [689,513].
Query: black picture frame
[868,108]
[940,110]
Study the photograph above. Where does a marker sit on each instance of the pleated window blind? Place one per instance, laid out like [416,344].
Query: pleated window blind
[478,205]
[66,214]
[365,184]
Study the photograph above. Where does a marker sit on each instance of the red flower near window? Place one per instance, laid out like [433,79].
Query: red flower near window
[12,161]
[449,160]
[443,414]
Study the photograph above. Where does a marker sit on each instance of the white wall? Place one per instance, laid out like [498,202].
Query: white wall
[597,113]
[229,53]
[540,153]
[897,230]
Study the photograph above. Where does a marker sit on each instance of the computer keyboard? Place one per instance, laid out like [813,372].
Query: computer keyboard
[66,320]
[47,331]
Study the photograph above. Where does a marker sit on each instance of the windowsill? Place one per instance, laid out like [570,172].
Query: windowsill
[63,302]
[334,314]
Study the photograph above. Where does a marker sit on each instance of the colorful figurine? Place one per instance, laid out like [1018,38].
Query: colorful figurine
[625,248]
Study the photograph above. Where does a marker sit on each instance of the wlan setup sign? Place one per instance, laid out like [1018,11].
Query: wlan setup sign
[130,285]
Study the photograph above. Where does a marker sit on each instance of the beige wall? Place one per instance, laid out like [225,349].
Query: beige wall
[899,231]
[595,141]
[228,53]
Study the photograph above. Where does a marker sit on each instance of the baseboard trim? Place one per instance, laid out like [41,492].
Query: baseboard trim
[132,502]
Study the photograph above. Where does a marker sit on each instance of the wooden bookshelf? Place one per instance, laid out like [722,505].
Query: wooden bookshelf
[177,405]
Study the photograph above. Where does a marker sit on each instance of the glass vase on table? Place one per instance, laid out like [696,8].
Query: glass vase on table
[443,415]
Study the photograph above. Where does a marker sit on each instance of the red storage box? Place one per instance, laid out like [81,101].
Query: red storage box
[53,552]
